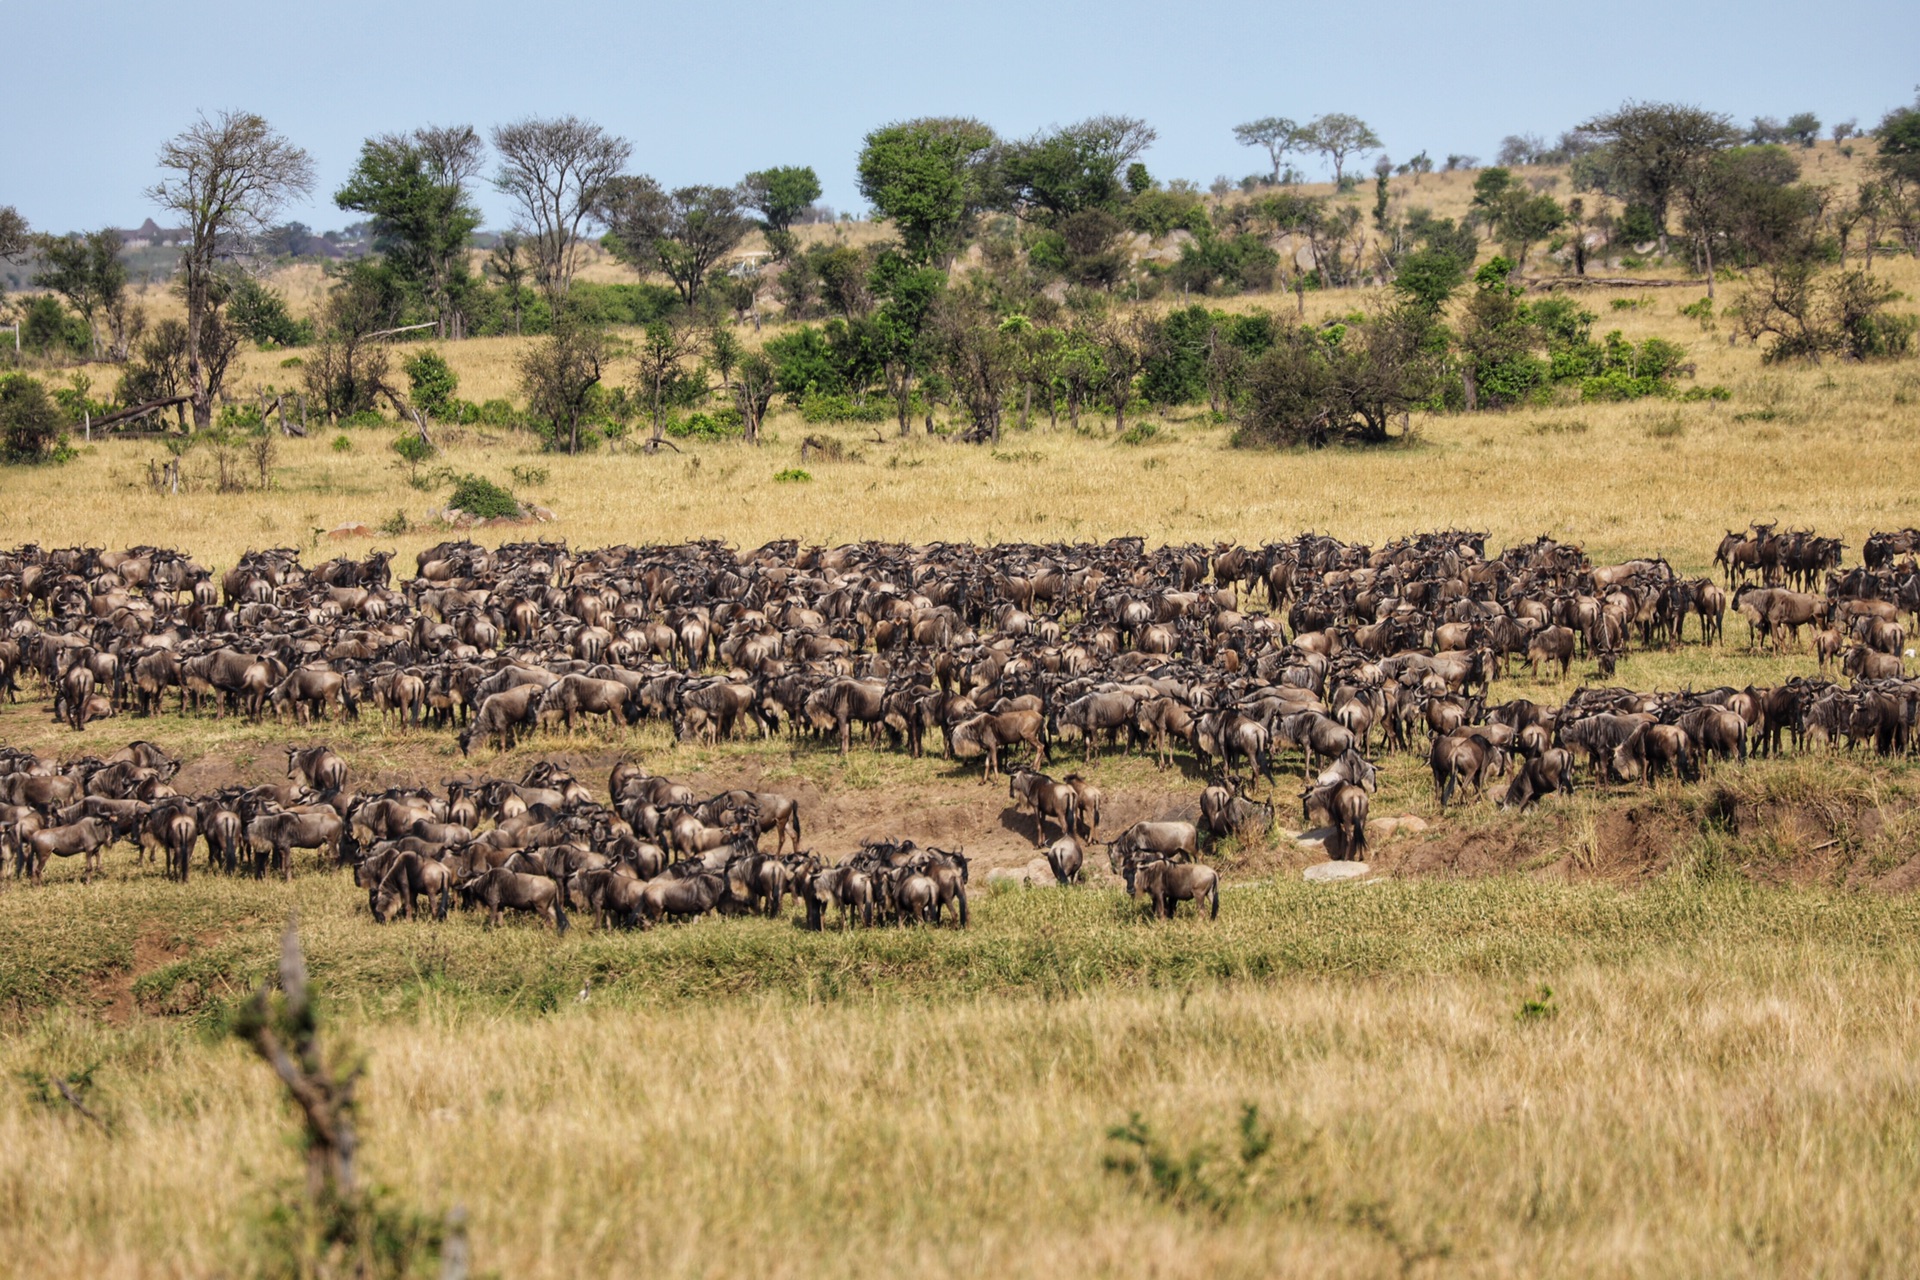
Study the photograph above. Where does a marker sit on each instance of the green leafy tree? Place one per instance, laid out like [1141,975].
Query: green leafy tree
[507,263]
[432,384]
[227,177]
[1336,136]
[682,234]
[781,195]
[1052,176]
[1651,149]
[899,326]
[86,270]
[1898,134]
[1526,222]
[1493,191]
[260,315]
[558,376]
[16,238]
[1276,135]
[663,379]
[928,177]
[1803,127]
[415,192]
[1745,206]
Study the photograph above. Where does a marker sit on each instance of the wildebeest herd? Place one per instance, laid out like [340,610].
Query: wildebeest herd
[1234,656]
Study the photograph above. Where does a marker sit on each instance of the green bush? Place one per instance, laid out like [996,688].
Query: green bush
[30,422]
[479,496]
[343,444]
[364,418]
[1139,433]
[433,384]
[261,316]
[792,475]
[841,408]
[721,424]
[499,413]
[408,444]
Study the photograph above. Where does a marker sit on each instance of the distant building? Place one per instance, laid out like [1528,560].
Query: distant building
[148,235]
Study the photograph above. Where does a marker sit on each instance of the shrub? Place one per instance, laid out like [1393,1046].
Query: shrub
[343,444]
[30,423]
[1139,433]
[841,408]
[479,496]
[792,475]
[411,448]
[499,413]
[722,424]
[260,315]
[528,475]
[433,384]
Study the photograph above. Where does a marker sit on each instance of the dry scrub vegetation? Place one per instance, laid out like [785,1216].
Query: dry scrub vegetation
[1828,447]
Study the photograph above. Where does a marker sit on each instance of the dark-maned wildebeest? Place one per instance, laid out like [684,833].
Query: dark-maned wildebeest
[1466,759]
[277,833]
[502,888]
[1653,749]
[87,836]
[324,770]
[1167,884]
[1066,856]
[1045,798]
[1163,839]
[500,716]
[988,732]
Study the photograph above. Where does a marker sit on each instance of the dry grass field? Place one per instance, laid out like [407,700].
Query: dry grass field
[1721,1083]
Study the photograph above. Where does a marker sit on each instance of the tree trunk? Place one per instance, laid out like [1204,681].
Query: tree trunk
[1473,392]
[1706,248]
[1026,405]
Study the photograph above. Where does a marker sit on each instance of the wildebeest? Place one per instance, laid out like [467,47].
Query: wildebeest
[1167,884]
[502,889]
[87,836]
[1046,799]
[323,769]
[988,732]
[1463,759]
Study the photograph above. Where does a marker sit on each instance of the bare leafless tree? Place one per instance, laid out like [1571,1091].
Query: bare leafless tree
[454,151]
[554,170]
[227,178]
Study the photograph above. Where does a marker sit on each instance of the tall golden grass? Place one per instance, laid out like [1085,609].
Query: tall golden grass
[1730,1108]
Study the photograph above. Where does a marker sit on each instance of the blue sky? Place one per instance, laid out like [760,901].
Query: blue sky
[708,92]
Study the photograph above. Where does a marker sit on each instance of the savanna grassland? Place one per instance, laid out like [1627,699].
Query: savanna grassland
[1664,1032]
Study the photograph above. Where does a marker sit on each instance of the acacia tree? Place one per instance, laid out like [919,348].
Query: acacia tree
[414,186]
[781,195]
[1277,134]
[555,172]
[1336,136]
[558,375]
[228,177]
[1653,148]
[662,377]
[682,234]
[508,264]
[86,270]
[928,177]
